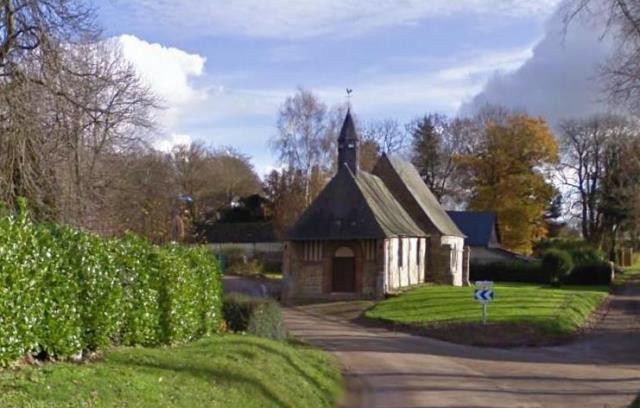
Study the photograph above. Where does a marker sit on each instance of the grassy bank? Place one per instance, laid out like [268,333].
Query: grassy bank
[225,371]
[521,314]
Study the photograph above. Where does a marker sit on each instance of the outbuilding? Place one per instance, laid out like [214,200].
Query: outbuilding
[483,238]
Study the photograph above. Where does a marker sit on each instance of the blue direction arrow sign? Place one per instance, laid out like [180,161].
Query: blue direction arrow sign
[484,295]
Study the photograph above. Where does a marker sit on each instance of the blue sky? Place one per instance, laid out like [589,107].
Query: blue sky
[224,67]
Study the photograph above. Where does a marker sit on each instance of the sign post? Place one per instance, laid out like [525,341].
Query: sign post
[483,293]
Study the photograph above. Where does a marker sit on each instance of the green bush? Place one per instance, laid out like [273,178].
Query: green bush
[137,264]
[598,273]
[557,265]
[236,311]
[266,321]
[582,253]
[259,316]
[63,291]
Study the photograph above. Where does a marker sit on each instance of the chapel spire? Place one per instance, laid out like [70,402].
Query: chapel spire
[348,145]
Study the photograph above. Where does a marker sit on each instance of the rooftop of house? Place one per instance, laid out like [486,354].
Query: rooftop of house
[423,196]
[480,227]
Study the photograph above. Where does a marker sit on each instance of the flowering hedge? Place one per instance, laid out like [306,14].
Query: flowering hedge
[63,291]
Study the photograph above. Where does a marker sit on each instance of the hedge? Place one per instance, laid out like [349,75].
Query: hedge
[597,273]
[64,291]
[516,271]
[589,265]
[258,316]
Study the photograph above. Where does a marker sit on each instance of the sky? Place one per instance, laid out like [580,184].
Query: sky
[222,68]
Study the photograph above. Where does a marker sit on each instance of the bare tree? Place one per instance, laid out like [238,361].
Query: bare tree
[212,178]
[234,177]
[103,110]
[620,20]
[69,104]
[27,26]
[388,134]
[590,166]
[303,136]
[143,198]
[285,191]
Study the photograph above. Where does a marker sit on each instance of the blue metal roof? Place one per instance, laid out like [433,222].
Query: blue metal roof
[479,226]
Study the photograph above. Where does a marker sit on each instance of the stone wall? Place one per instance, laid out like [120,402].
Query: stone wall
[300,277]
[448,262]
[308,277]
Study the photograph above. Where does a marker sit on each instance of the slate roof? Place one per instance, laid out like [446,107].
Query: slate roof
[478,226]
[360,205]
[354,207]
[392,218]
[423,196]
[348,131]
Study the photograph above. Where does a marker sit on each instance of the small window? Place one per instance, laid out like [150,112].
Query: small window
[400,253]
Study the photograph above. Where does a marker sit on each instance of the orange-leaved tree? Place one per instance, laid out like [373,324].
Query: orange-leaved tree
[506,173]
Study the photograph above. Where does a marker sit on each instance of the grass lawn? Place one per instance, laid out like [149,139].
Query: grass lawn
[536,311]
[224,371]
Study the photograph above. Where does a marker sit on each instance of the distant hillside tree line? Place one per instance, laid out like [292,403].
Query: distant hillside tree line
[580,180]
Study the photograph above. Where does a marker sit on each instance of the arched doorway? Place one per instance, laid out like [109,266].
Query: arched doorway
[344,270]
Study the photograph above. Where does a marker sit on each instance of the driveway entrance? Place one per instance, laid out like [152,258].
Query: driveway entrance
[391,369]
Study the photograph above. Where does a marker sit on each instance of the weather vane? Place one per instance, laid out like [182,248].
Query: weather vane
[349,91]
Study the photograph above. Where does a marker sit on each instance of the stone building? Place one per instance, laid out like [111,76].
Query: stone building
[370,234]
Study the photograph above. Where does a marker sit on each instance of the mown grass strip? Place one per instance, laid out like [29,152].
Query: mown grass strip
[224,371]
[557,311]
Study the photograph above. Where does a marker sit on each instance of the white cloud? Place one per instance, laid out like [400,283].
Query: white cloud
[443,88]
[169,73]
[245,116]
[168,143]
[558,81]
[305,18]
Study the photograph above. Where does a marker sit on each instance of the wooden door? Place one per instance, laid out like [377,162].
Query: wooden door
[344,275]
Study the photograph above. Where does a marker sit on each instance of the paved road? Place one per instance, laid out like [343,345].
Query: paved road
[391,369]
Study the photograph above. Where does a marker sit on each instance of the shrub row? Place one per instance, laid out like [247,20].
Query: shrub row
[517,271]
[63,291]
[259,316]
[563,260]
[597,273]
[581,252]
